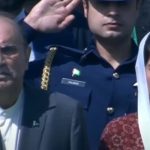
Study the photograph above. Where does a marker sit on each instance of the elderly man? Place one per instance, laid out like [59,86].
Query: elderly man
[30,119]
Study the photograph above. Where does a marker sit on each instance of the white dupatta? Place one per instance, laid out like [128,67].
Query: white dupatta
[143,96]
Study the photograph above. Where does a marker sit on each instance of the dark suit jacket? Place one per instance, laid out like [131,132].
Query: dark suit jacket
[52,123]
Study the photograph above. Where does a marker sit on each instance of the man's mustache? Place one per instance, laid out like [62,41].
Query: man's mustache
[6,72]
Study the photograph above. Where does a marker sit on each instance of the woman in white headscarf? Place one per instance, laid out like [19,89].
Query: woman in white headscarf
[132,132]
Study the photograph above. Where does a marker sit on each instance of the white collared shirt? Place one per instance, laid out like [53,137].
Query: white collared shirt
[10,120]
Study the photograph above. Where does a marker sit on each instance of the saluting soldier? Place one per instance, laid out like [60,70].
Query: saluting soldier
[101,77]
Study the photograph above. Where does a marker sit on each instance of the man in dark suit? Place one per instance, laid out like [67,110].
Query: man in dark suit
[31,119]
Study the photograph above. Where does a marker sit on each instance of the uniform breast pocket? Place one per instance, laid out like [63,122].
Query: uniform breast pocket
[79,90]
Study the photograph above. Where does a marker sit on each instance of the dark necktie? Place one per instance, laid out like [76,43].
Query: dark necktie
[1,142]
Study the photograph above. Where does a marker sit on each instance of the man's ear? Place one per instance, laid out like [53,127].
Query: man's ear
[85,7]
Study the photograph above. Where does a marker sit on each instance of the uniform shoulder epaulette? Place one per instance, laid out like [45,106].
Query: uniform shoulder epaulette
[74,53]
[68,51]
[47,68]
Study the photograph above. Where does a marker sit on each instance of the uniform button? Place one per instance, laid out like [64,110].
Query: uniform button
[110,110]
[116,75]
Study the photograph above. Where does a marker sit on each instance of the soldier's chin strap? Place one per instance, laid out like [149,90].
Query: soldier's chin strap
[143,96]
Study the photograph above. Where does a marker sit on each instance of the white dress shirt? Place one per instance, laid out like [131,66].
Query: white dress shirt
[10,120]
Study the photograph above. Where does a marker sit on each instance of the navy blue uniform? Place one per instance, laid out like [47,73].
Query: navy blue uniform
[104,92]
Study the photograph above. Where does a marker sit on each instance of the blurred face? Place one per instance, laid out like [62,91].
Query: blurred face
[111,19]
[13,56]
[147,69]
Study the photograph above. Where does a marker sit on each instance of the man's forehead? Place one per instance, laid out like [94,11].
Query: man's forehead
[8,32]
[6,27]
[7,23]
